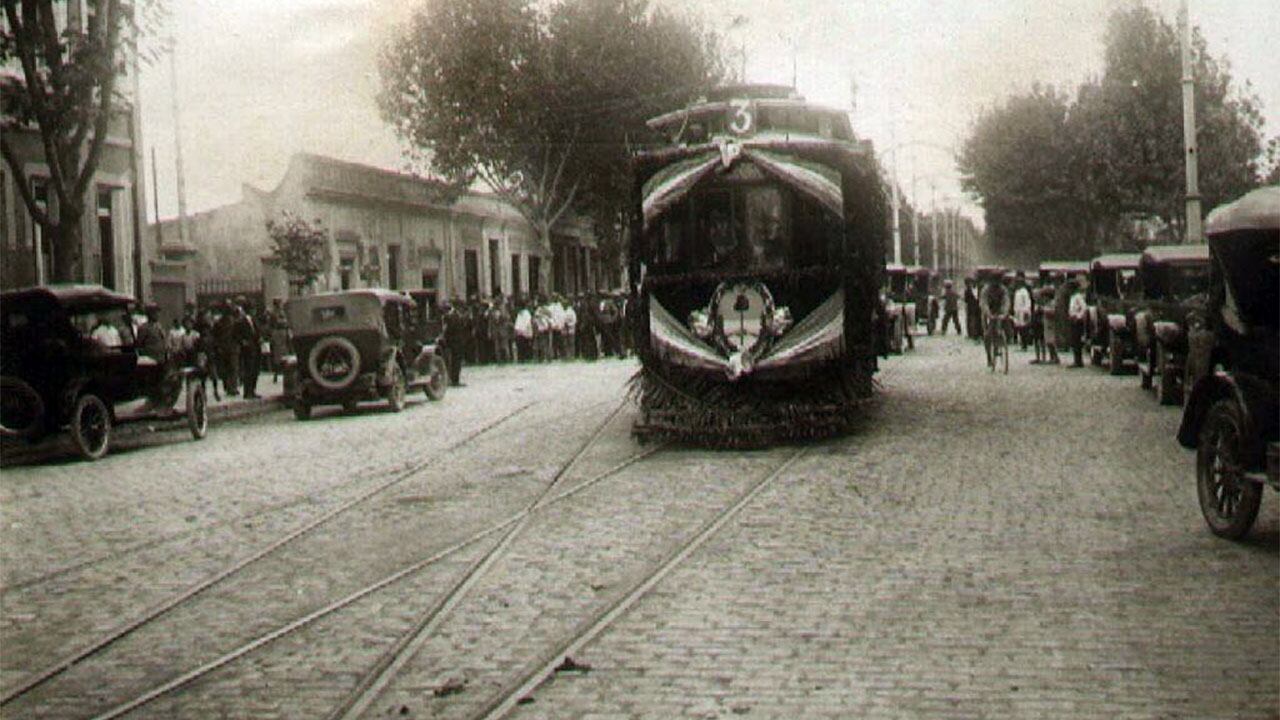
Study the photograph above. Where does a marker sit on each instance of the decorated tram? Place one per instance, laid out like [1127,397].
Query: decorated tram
[755,270]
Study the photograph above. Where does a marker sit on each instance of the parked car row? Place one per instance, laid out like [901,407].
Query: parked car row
[71,359]
[1199,323]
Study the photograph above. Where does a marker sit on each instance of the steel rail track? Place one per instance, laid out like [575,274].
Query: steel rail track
[394,658]
[110,637]
[127,550]
[404,572]
[507,699]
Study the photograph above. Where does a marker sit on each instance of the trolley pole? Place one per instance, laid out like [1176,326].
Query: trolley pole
[1194,230]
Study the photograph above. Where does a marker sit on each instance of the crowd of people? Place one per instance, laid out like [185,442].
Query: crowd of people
[540,328]
[1048,314]
[226,340]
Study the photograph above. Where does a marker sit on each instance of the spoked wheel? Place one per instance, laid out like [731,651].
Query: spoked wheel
[1228,501]
[396,393]
[197,409]
[437,378]
[91,426]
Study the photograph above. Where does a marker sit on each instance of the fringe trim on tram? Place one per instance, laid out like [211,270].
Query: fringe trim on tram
[709,413]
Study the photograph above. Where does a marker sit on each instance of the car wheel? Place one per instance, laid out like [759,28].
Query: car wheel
[91,426]
[197,409]
[1228,501]
[21,409]
[396,393]
[301,409]
[334,362]
[1167,387]
[437,378]
[1115,355]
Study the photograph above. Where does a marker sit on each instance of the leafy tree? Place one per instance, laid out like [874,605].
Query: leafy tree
[1061,176]
[300,249]
[540,105]
[67,93]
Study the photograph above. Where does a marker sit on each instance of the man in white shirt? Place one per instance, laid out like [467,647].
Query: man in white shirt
[1022,312]
[570,330]
[1078,310]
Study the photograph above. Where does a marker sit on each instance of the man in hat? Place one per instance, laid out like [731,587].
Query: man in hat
[457,335]
[249,345]
[228,347]
[950,306]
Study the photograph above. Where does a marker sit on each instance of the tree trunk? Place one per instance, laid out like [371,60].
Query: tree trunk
[67,249]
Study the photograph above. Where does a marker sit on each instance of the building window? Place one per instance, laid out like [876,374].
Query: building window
[515,274]
[346,269]
[471,263]
[106,238]
[393,267]
[495,268]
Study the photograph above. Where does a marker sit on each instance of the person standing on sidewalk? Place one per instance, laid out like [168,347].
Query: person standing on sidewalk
[972,310]
[523,328]
[250,347]
[1078,310]
[457,334]
[228,346]
[950,307]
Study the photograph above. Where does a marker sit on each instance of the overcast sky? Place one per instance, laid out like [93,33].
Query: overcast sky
[259,80]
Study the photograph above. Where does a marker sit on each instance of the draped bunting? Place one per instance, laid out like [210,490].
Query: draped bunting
[673,183]
[816,338]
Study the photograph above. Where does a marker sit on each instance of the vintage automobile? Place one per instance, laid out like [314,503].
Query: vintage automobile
[924,290]
[900,306]
[1114,294]
[1232,416]
[357,345]
[1057,270]
[1175,283]
[69,358]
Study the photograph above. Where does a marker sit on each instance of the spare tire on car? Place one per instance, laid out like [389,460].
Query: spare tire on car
[21,409]
[334,362]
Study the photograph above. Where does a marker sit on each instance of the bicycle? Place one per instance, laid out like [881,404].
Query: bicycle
[996,343]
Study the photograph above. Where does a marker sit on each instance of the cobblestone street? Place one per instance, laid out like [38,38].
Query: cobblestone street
[982,545]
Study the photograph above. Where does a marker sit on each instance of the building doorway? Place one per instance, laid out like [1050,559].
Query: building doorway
[515,274]
[535,276]
[393,267]
[106,239]
[471,263]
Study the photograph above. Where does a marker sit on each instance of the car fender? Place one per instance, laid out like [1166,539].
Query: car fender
[1167,332]
[1250,393]
[1117,322]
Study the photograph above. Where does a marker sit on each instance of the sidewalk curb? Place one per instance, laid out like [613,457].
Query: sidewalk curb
[246,408]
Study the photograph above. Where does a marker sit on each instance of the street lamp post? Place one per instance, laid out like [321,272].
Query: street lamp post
[1194,231]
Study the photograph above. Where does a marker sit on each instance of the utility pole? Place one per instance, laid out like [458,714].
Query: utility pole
[177,152]
[897,230]
[1194,231]
[915,214]
[155,183]
[933,222]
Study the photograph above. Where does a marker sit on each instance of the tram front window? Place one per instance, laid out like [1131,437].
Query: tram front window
[731,229]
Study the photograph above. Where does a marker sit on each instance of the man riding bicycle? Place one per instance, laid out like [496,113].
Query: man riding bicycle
[995,304]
